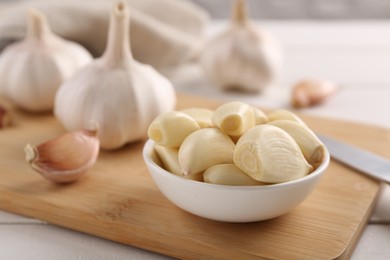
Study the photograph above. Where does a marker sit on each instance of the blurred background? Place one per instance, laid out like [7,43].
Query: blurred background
[298,9]
[304,9]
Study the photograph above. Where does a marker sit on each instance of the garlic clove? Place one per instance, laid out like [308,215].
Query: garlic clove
[120,94]
[260,116]
[280,114]
[311,92]
[269,154]
[201,115]
[5,118]
[203,149]
[170,160]
[234,118]
[171,128]
[31,70]
[65,158]
[228,174]
[312,148]
[244,57]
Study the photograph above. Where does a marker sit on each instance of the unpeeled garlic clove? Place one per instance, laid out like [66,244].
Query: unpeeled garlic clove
[312,148]
[65,158]
[171,128]
[203,149]
[234,118]
[228,174]
[311,92]
[280,114]
[5,119]
[269,154]
[201,115]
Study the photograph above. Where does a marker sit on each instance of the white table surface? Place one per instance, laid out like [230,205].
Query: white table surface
[354,54]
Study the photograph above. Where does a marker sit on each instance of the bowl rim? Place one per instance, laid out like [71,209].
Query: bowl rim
[149,144]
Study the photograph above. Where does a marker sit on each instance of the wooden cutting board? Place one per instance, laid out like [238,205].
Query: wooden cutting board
[118,200]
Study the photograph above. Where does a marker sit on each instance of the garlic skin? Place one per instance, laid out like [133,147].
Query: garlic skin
[311,92]
[32,69]
[244,57]
[65,158]
[120,94]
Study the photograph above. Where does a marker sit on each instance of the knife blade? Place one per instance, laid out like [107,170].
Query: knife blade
[364,161]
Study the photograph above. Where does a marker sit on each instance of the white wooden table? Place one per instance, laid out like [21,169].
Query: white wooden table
[354,54]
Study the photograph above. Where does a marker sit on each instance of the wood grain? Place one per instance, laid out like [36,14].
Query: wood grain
[118,200]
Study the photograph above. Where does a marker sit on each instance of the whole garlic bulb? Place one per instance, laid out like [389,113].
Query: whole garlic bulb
[119,94]
[244,57]
[32,69]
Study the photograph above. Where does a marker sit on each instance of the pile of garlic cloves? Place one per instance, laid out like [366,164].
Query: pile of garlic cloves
[244,57]
[241,146]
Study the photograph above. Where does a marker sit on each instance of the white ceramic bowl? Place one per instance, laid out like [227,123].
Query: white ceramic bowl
[231,203]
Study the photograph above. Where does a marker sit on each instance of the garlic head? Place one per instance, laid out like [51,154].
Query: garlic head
[119,94]
[244,57]
[31,70]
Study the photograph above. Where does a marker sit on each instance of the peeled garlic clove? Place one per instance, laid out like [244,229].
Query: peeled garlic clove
[201,115]
[31,70]
[269,154]
[65,158]
[260,116]
[244,57]
[171,128]
[169,158]
[312,148]
[228,174]
[203,149]
[117,92]
[280,114]
[5,119]
[311,92]
[234,118]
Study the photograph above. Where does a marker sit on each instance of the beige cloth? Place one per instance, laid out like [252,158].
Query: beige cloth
[163,32]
